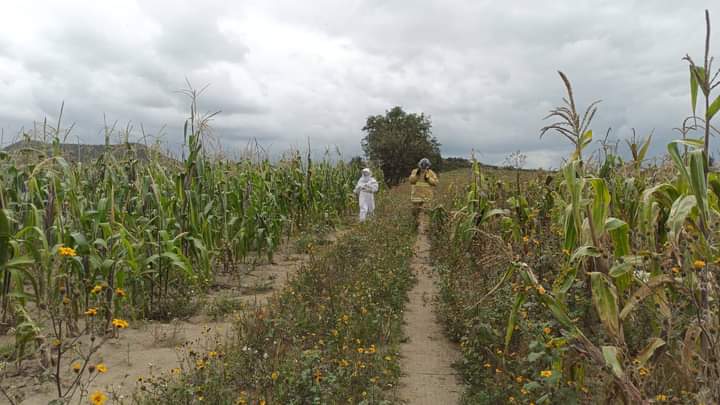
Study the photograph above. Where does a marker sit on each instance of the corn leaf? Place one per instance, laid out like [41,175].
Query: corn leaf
[605,300]
[610,354]
[644,291]
[649,350]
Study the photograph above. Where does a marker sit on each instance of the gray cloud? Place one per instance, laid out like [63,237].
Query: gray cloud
[281,71]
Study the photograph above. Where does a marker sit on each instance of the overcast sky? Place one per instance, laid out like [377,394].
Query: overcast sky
[285,70]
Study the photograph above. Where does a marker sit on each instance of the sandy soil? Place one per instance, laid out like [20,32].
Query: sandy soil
[427,356]
[151,348]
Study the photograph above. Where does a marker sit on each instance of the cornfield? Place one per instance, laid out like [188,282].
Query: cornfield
[119,238]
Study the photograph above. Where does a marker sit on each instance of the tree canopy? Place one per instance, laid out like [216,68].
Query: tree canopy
[396,141]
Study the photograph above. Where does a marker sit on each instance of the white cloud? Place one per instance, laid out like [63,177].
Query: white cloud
[282,70]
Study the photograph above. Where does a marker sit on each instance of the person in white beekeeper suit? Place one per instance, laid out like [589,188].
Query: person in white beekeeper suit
[366,187]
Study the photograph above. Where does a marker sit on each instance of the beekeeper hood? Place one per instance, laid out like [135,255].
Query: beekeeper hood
[424,163]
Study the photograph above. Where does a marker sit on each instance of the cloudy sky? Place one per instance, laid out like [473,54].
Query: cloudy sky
[285,70]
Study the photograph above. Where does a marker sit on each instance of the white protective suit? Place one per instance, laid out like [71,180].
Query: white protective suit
[366,187]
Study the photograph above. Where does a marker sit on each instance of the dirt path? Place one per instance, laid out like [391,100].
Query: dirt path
[427,356]
[153,348]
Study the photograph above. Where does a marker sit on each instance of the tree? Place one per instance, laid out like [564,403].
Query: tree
[396,141]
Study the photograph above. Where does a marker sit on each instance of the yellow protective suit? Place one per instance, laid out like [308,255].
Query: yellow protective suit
[423,182]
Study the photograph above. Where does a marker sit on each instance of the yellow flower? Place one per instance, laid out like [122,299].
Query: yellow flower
[676,270]
[360,350]
[643,371]
[511,399]
[541,290]
[388,358]
[526,238]
[175,371]
[91,312]
[212,354]
[262,402]
[274,376]
[101,368]
[546,373]
[344,363]
[498,371]
[547,330]
[699,264]
[120,324]
[566,252]
[119,292]
[67,252]
[98,398]
[76,367]
[371,350]
[661,398]
[318,376]
[519,379]
[199,364]
[66,300]
[97,289]
[56,342]
[487,365]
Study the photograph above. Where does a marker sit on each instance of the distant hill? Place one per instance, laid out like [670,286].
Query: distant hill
[27,150]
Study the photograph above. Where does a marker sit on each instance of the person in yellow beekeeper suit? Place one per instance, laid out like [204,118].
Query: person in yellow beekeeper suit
[423,180]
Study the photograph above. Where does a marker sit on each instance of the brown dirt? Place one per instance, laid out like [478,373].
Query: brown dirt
[152,348]
[427,356]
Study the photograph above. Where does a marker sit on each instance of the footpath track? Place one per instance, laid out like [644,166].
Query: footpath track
[427,356]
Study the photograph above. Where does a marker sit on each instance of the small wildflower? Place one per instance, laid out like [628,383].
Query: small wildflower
[76,367]
[699,264]
[643,371]
[487,365]
[91,312]
[212,354]
[175,371]
[120,323]
[344,363]
[676,270]
[661,398]
[318,376]
[547,330]
[388,358]
[546,373]
[274,376]
[519,379]
[98,398]
[498,371]
[199,364]
[101,368]
[120,292]
[541,290]
[566,252]
[66,300]
[97,289]
[67,252]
